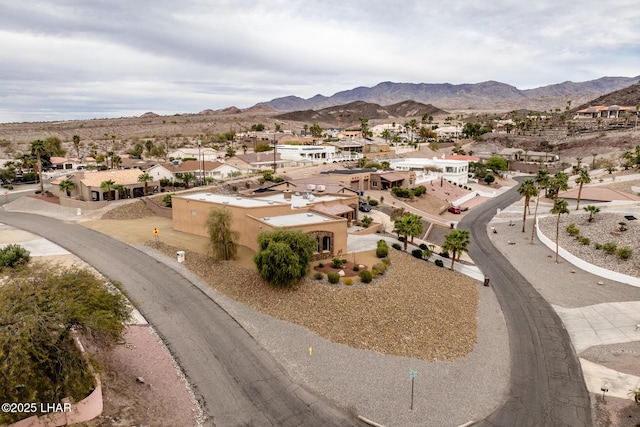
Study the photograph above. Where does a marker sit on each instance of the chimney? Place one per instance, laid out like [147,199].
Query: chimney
[287,194]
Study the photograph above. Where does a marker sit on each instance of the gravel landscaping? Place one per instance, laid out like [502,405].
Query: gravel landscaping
[604,228]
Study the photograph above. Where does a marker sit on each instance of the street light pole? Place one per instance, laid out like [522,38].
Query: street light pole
[200,165]
[275,142]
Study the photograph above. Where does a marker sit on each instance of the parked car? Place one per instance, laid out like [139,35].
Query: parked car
[454,210]
[364,207]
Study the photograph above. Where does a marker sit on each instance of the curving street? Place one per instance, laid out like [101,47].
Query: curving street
[546,384]
[239,382]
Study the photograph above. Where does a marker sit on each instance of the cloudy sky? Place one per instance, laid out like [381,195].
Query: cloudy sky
[72,59]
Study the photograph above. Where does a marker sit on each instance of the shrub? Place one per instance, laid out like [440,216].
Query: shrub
[624,253]
[597,246]
[373,202]
[347,281]
[382,251]
[382,242]
[439,263]
[333,277]
[366,221]
[397,246]
[419,190]
[336,263]
[318,276]
[366,276]
[610,248]
[356,267]
[423,246]
[379,268]
[417,253]
[167,199]
[444,254]
[584,240]
[622,226]
[13,256]
[320,264]
[404,193]
[386,261]
[573,230]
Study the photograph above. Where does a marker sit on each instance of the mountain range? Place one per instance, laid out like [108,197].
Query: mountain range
[490,95]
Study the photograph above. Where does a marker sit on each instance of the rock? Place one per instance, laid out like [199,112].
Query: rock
[341,273]
[600,282]
[140,380]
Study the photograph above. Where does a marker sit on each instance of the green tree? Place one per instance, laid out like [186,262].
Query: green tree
[456,242]
[593,210]
[557,183]
[583,178]
[106,187]
[316,131]
[67,186]
[222,239]
[364,127]
[496,164]
[560,206]
[53,145]
[145,178]
[527,190]
[42,308]
[386,135]
[284,255]
[39,150]
[542,181]
[230,152]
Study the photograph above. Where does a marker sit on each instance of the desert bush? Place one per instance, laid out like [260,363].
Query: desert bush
[333,277]
[404,193]
[417,253]
[423,246]
[366,276]
[382,251]
[386,261]
[419,190]
[439,263]
[624,253]
[444,254]
[320,264]
[584,240]
[317,275]
[13,256]
[373,202]
[347,281]
[356,267]
[366,221]
[336,263]
[573,230]
[597,246]
[379,268]
[610,248]
[397,246]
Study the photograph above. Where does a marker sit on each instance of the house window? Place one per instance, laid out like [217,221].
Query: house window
[95,196]
[374,183]
[449,169]
[326,244]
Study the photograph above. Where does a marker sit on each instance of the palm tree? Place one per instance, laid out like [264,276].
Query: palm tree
[386,135]
[67,186]
[593,161]
[593,210]
[456,242]
[106,187]
[187,177]
[560,206]
[408,226]
[145,178]
[121,189]
[542,181]
[38,148]
[559,182]
[582,179]
[76,144]
[116,161]
[527,190]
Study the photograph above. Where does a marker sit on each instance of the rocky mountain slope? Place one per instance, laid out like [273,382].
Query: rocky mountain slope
[489,95]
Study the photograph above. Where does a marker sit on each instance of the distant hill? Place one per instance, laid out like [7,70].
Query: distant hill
[489,95]
[629,96]
[350,113]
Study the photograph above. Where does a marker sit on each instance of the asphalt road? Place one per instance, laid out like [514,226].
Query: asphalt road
[239,382]
[546,384]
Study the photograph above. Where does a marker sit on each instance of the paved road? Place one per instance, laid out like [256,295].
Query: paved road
[546,384]
[240,383]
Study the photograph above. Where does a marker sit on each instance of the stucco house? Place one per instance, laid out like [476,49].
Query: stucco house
[323,215]
[202,153]
[88,186]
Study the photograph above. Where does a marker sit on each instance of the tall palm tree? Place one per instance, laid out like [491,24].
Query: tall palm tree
[582,179]
[527,190]
[121,189]
[67,186]
[76,144]
[559,182]
[560,206]
[416,226]
[408,226]
[593,210]
[145,178]
[542,181]
[106,187]
[456,242]
[38,148]
[386,135]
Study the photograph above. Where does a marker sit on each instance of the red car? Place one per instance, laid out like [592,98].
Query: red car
[454,210]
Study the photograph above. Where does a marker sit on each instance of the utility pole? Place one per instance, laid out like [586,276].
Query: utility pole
[275,142]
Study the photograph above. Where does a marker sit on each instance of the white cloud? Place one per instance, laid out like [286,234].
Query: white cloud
[124,57]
